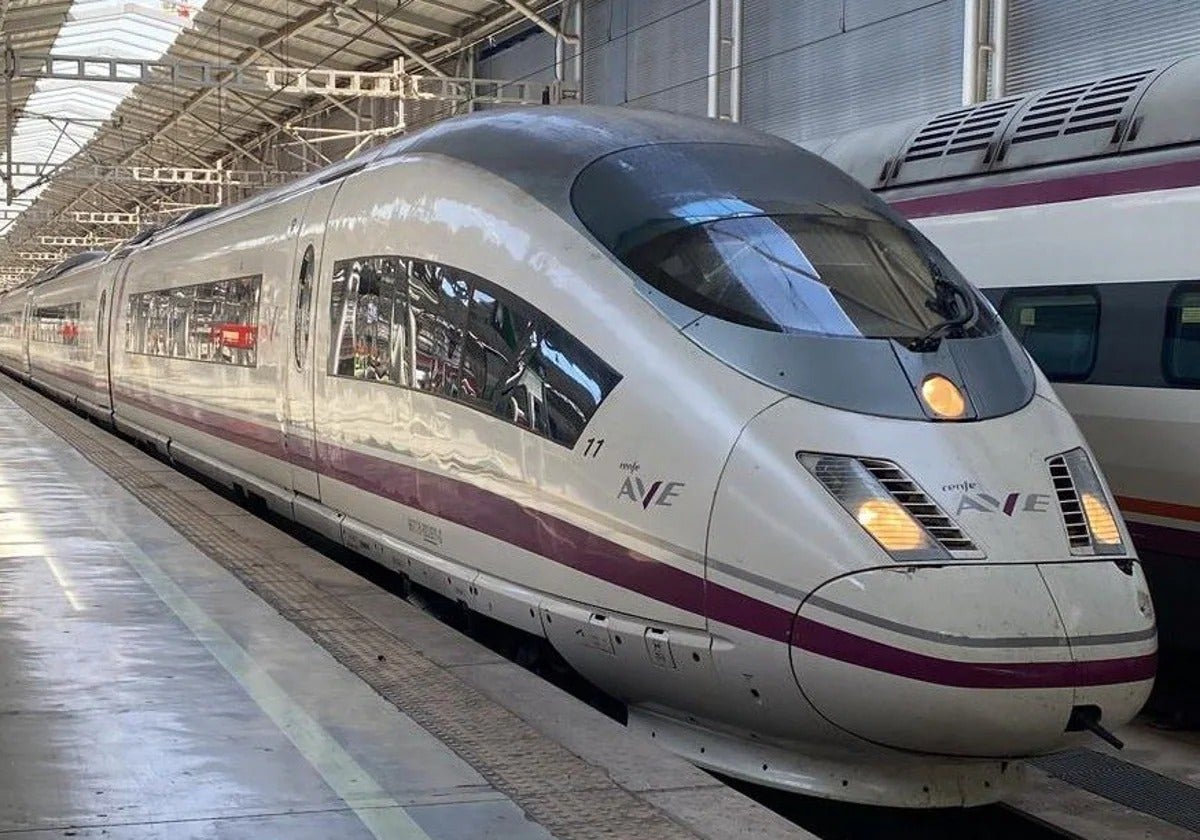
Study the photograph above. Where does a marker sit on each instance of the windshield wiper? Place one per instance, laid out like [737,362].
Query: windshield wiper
[955,304]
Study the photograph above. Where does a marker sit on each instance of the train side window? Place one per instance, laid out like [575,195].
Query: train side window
[179,322]
[576,380]
[56,324]
[363,344]
[499,343]
[203,322]
[235,335]
[459,336]
[438,299]
[1181,352]
[1058,326]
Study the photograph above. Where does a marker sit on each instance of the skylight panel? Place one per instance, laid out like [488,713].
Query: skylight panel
[61,116]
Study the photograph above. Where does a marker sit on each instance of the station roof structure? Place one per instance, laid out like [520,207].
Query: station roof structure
[120,113]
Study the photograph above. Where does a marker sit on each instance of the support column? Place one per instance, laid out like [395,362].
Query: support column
[714,58]
[999,47]
[970,52]
[735,61]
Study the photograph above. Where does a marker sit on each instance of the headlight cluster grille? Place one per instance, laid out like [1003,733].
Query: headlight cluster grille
[1078,536]
[923,509]
[891,507]
[1087,514]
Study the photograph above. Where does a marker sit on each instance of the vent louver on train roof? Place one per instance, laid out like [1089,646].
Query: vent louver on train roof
[1074,520]
[1090,106]
[953,143]
[963,130]
[920,507]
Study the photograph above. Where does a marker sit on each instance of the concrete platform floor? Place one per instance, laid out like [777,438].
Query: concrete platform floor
[143,689]
[146,692]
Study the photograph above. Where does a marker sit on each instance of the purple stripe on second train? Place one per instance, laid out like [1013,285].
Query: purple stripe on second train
[1162,539]
[1072,188]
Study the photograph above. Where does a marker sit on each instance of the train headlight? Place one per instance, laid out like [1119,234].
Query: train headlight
[864,487]
[1100,520]
[1085,505]
[890,525]
[943,397]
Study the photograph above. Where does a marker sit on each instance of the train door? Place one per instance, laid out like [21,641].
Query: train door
[27,320]
[106,319]
[300,437]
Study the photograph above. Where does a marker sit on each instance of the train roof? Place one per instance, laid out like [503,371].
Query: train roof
[540,149]
[1145,109]
[544,149]
[58,269]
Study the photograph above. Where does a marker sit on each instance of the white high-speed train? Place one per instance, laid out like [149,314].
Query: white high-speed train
[680,398]
[1073,208]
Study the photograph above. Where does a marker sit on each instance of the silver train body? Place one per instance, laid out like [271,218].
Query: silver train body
[1082,236]
[490,356]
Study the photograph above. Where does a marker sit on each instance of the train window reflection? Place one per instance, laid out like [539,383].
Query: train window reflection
[100,315]
[10,324]
[1181,357]
[576,381]
[214,322]
[1058,327]
[369,321]
[500,342]
[56,324]
[439,302]
[472,342]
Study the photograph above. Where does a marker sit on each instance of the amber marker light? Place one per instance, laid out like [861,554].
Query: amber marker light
[891,525]
[1100,520]
[943,397]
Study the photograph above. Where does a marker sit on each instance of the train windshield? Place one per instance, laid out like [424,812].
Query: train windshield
[771,238]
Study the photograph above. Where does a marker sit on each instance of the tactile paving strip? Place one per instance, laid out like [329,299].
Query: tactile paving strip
[1127,784]
[568,796]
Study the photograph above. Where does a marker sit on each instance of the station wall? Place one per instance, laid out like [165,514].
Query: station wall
[1053,42]
[808,68]
[819,67]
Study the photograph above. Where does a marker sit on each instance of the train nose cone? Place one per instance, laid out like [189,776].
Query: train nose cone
[973,660]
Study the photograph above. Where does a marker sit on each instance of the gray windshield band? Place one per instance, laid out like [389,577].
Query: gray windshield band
[542,152]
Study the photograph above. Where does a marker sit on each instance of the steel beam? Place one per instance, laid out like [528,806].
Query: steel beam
[174,74]
[93,217]
[459,40]
[145,174]
[80,241]
[543,24]
[397,84]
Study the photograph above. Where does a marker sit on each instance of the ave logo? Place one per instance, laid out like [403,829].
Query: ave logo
[1007,505]
[657,493]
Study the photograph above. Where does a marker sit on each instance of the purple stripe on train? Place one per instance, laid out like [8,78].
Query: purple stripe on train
[577,548]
